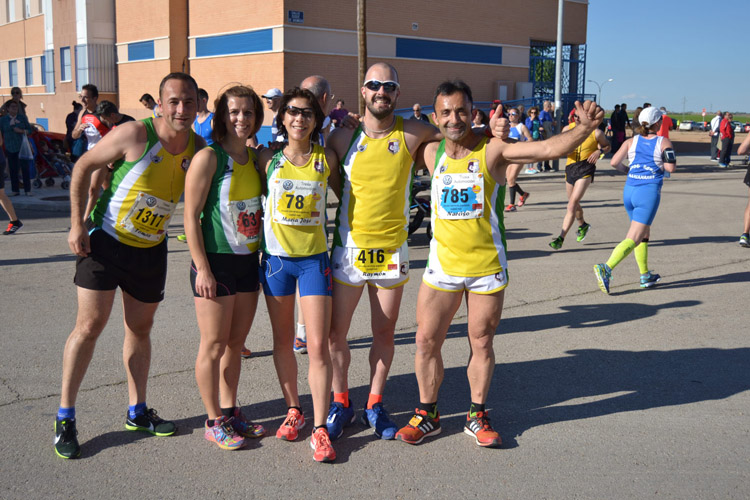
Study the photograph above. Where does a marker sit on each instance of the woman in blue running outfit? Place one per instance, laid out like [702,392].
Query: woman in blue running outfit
[649,157]
[223,225]
[295,254]
[518,133]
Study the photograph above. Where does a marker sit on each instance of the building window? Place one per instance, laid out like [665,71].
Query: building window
[48,70]
[29,67]
[141,51]
[66,74]
[10,11]
[13,73]
[43,67]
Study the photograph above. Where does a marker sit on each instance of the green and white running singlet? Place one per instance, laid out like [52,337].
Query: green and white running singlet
[467,216]
[294,224]
[374,208]
[232,215]
[138,204]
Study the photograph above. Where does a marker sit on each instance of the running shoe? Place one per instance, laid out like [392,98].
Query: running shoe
[419,427]
[531,171]
[182,237]
[66,439]
[223,434]
[245,427]
[300,345]
[13,226]
[480,428]
[294,421]
[510,208]
[321,444]
[339,416]
[557,243]
[583,230]
[245,352]
[745,241]
[378,419]
[603,276]
[649,279]
[151,423]
[522,199]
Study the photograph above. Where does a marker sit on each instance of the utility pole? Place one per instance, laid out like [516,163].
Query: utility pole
[684,100]
[362,53]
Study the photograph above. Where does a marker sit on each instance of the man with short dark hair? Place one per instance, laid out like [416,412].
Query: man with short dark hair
[203,124]
[123,244]
[89,125]
[467,252]
[714,133]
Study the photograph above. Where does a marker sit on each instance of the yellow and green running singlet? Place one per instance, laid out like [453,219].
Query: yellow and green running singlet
[138,205]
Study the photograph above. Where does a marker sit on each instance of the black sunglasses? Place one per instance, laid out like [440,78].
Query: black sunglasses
[307,113]
[388,85]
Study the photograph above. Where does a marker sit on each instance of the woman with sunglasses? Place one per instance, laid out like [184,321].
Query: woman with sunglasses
[295,253]
[579,174]
[649,156]
[518,133]
[534,124]
[223,213]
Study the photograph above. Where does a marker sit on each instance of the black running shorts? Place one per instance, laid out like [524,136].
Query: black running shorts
[233,273]
[141,272]
[579,170]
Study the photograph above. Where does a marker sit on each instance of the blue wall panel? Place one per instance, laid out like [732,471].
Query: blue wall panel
[141,51]
[448,51]
[237,43]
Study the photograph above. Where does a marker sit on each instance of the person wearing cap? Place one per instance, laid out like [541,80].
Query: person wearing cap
[649,157]
[579,174]
[273,101]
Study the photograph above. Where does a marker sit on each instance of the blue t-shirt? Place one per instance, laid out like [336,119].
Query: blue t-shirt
[646,164]
[204,129]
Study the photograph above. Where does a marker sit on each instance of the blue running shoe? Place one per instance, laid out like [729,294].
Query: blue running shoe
[339,416]
[649,279]
[603,276]
[378,419]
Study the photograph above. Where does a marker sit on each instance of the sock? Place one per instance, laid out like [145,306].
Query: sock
[475,408]
[518,190]
[620,252]
[210,422]
[341,397]
[374,399]
[746,235]
[430,408]
[66,413]
[641,256]
[301,332]
[136,410]
[513,195]
[324,426]
[296,408]
[228,412]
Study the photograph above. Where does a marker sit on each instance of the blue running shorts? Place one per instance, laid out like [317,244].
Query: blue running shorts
[281,275]
[642,202]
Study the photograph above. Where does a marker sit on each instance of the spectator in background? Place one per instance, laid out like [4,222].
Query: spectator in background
[89,124]
[273,101]
[480,123]
[618,128]
[624,116]
[714,133]
[14,127]
[15,96]
[666,124]
[70,124]
[203,120]
[417,109]
[110,115]
[523,116]
[535,129]
[550,128]
[726,131]
[148,102]
[646,105]
[338,114]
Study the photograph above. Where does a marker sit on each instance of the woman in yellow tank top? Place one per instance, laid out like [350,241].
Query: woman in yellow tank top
[579,174]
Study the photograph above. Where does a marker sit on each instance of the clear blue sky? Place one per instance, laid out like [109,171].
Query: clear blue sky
[661,51]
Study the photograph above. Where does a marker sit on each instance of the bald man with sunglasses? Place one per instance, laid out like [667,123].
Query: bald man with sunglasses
[369,245]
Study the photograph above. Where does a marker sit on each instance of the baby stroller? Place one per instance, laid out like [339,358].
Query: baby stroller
[49,161]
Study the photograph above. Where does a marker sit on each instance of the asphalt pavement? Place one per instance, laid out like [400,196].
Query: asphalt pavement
[639,394]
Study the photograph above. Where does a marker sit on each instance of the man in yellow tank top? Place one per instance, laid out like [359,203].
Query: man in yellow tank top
[468,236]
[370,238]
[125,247]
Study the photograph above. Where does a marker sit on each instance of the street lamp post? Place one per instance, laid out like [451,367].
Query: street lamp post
[599,95]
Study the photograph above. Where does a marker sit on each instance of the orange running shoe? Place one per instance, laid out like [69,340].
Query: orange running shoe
[293,422]
[246,353]
[321,444]
[419,427]
[479,426]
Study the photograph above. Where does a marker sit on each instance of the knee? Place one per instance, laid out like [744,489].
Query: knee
[427,345]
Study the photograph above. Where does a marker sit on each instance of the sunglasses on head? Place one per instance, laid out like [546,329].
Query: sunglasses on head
[388,85]
[306,113]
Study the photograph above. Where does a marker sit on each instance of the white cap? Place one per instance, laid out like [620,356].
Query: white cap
[272,93]
[650,115]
